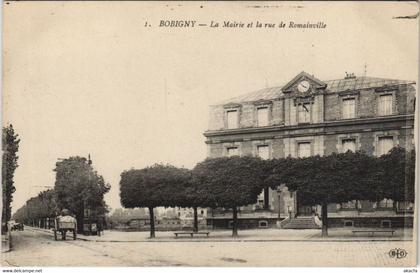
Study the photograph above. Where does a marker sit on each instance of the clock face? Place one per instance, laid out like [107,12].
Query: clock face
[303,86]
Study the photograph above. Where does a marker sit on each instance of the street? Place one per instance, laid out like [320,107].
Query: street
[36,248]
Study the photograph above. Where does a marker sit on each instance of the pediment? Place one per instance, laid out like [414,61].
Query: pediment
[314,83]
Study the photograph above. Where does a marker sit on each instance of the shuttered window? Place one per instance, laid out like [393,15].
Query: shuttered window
[263,152]
[385,144]
[262,116]
[304,149]
[232,151]
[385,105]
[349,144]
[349,108]
[304,113]
[232,119]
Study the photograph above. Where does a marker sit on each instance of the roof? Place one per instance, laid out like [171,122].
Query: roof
[333,86]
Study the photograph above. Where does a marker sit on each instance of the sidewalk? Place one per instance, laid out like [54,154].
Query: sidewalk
[6,243]
[250,235]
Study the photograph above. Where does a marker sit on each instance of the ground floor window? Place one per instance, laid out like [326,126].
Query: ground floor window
[263,224]
[406,205]
[349,205]
[348,223]
[385,223]
[386,204]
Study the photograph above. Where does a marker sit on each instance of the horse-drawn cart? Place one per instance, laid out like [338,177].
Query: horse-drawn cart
[63,225]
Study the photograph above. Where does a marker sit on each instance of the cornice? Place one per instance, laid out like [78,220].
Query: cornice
[323,125]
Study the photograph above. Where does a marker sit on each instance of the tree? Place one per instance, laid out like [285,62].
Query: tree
[37,209]
[158,185]
[398,174]
[229,182]
[336,178]
[79,187]
[10,147]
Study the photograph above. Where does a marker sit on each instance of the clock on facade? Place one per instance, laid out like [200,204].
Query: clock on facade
[303,86]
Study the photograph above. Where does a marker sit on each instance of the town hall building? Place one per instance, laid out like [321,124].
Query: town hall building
[306,117]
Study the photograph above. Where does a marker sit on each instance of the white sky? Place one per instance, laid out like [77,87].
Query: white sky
[90,78]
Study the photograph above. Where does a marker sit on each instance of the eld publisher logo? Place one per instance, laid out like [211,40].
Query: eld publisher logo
[397,253]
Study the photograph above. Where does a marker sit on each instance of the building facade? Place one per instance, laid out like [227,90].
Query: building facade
[306,117]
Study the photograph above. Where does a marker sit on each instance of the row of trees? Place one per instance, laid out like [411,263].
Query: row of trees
[231,182]
[10,147]
[77,187]
[38,208]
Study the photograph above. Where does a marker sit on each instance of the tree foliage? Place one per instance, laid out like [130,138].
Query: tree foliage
[335,178]
[398,174]
[229,182]
[39,207]
[10,147]
[78,186]
[158,185]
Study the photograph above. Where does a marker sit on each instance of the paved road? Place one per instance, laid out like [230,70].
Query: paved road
[35,248]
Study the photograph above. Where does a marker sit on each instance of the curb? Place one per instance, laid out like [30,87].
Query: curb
[213,240]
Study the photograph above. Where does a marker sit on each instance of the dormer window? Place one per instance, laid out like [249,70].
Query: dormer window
[262,116]
[385,105]
[232,119]
[348,108]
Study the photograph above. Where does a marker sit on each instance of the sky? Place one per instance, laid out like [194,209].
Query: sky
[90,78]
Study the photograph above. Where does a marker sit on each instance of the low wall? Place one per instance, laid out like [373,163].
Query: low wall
[226,223]
[372,222]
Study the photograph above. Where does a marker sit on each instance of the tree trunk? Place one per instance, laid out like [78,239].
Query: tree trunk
[195,220]
[235,222]
[324,219]
[80,221]
[152,222]
[266,198]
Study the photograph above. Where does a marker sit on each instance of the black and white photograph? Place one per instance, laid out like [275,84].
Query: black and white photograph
[209,134]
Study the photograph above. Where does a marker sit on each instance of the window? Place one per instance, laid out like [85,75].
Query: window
[304,113]
[349,108]
[405,205]
[232,151]
[386,203]
[232,119]
[348,223]
[262,116]
[349,144]
[304,149]
[385,105]
[263,224]
[386,224]
[349,205]
[385,144]
[263,152]
[260,200]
